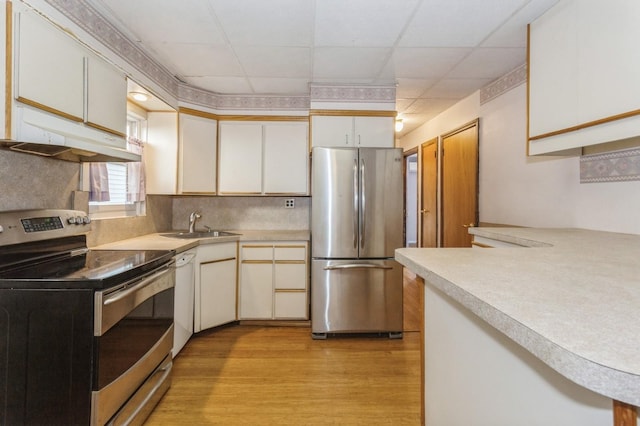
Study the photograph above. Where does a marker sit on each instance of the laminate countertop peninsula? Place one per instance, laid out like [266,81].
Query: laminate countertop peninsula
[571,297]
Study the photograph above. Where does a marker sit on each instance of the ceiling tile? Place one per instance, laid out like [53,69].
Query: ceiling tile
[369,23]
[426,62]
[489,63]
[267,61]
[430,105]
[198,59]
[168,20]
[222,85]
[513,33]
[457,23]
[259,22]
[413,87]
[343,63]
[456,88]
[281,86]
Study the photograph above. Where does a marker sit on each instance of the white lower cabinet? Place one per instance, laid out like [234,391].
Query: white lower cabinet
[215,304]
[274,280]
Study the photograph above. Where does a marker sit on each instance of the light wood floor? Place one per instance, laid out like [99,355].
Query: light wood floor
[255,375]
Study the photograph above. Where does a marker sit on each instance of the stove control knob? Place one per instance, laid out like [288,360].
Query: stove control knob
[86,220]
[71,220]
[1,229]
[78,220]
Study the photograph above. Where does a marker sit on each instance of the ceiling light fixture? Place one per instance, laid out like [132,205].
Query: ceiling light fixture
[399,124]
[139,96]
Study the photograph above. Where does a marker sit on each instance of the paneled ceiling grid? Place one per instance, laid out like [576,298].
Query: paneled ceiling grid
[436,51]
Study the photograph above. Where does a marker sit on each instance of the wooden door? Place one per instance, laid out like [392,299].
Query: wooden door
[459,185]
[429,194]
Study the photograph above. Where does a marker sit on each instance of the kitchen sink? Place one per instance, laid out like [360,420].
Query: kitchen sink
[199,234]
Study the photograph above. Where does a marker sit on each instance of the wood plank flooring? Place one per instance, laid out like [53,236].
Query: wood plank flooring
[257,375]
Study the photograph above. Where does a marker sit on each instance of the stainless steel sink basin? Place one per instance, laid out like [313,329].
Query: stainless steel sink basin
[199,234]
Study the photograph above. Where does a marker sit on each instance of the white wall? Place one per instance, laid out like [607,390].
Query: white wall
[532,191]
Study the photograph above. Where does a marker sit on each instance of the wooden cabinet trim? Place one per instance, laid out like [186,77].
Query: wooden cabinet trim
[219,117]
[586,125]
[49,109]
[353,113]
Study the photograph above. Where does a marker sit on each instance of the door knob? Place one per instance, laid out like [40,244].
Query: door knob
[424,211]
[471,225]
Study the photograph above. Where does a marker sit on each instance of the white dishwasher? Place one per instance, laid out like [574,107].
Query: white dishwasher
[183,299]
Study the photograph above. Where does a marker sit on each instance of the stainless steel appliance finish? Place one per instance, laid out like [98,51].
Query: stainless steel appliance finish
[88,332]
[356,224]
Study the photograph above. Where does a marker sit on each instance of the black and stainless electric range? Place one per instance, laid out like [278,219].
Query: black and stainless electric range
[85,335]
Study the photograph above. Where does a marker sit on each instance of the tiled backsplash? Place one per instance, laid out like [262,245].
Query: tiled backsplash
[265,213]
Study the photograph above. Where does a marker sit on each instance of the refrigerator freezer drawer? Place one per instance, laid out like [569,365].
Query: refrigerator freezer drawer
[356,296]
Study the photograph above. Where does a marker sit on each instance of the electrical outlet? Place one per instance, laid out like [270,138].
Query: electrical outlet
[289,203]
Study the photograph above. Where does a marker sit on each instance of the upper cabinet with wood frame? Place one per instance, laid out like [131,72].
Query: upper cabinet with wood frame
[57,74]
[198,152]
[264,157]
[583,75]
[353,129]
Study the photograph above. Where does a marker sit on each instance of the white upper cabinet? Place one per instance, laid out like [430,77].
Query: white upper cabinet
[198,154]
[161,153]
[106,96]
[240,158]
[262,158]
[57,74]
[352,131]
[583,75]
[49,67]
[286,158]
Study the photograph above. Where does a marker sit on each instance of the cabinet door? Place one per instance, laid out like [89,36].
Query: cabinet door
[217,292]
[291,305]
[240,158]
[334,131]
[198,154]
[161,153]
[50,68]
[374,132]
[256,290]
[106,97]
[286,158]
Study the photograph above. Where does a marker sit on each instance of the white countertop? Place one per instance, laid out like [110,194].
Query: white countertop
[570,296]
[160,242]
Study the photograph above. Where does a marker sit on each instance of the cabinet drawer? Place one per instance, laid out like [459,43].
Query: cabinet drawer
[290,252]
[209,252]
[255,252]
[291,305]
[291,276]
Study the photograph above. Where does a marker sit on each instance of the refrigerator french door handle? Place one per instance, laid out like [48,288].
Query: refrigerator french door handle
[356,266]
[362,204]
[355,203]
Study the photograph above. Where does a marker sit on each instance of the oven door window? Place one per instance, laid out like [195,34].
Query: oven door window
[133,336]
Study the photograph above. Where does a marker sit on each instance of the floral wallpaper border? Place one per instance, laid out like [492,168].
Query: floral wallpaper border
[615,166]
[334,93]
[505,83]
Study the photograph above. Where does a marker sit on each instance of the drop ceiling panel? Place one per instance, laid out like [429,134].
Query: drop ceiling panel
[457,23]
[222,85]
[155,20]
[368,23]
[259,22]
[280,86]
[426,62]
[348,64]
[199,59]
[489,63]
[455,88]
[267,61]
[413,87]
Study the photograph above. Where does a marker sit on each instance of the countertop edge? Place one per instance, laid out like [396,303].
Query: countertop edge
[610,382]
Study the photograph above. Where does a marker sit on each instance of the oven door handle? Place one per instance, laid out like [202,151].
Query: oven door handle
[112,307]
[123,294]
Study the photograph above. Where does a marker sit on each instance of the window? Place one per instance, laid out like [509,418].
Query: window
[117,189]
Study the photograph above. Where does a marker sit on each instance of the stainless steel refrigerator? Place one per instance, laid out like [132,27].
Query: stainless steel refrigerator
[356,224]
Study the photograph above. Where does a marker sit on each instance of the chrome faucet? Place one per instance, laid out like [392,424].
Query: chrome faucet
[192,221]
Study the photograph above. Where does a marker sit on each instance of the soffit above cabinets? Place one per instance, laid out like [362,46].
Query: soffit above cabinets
[436,51]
